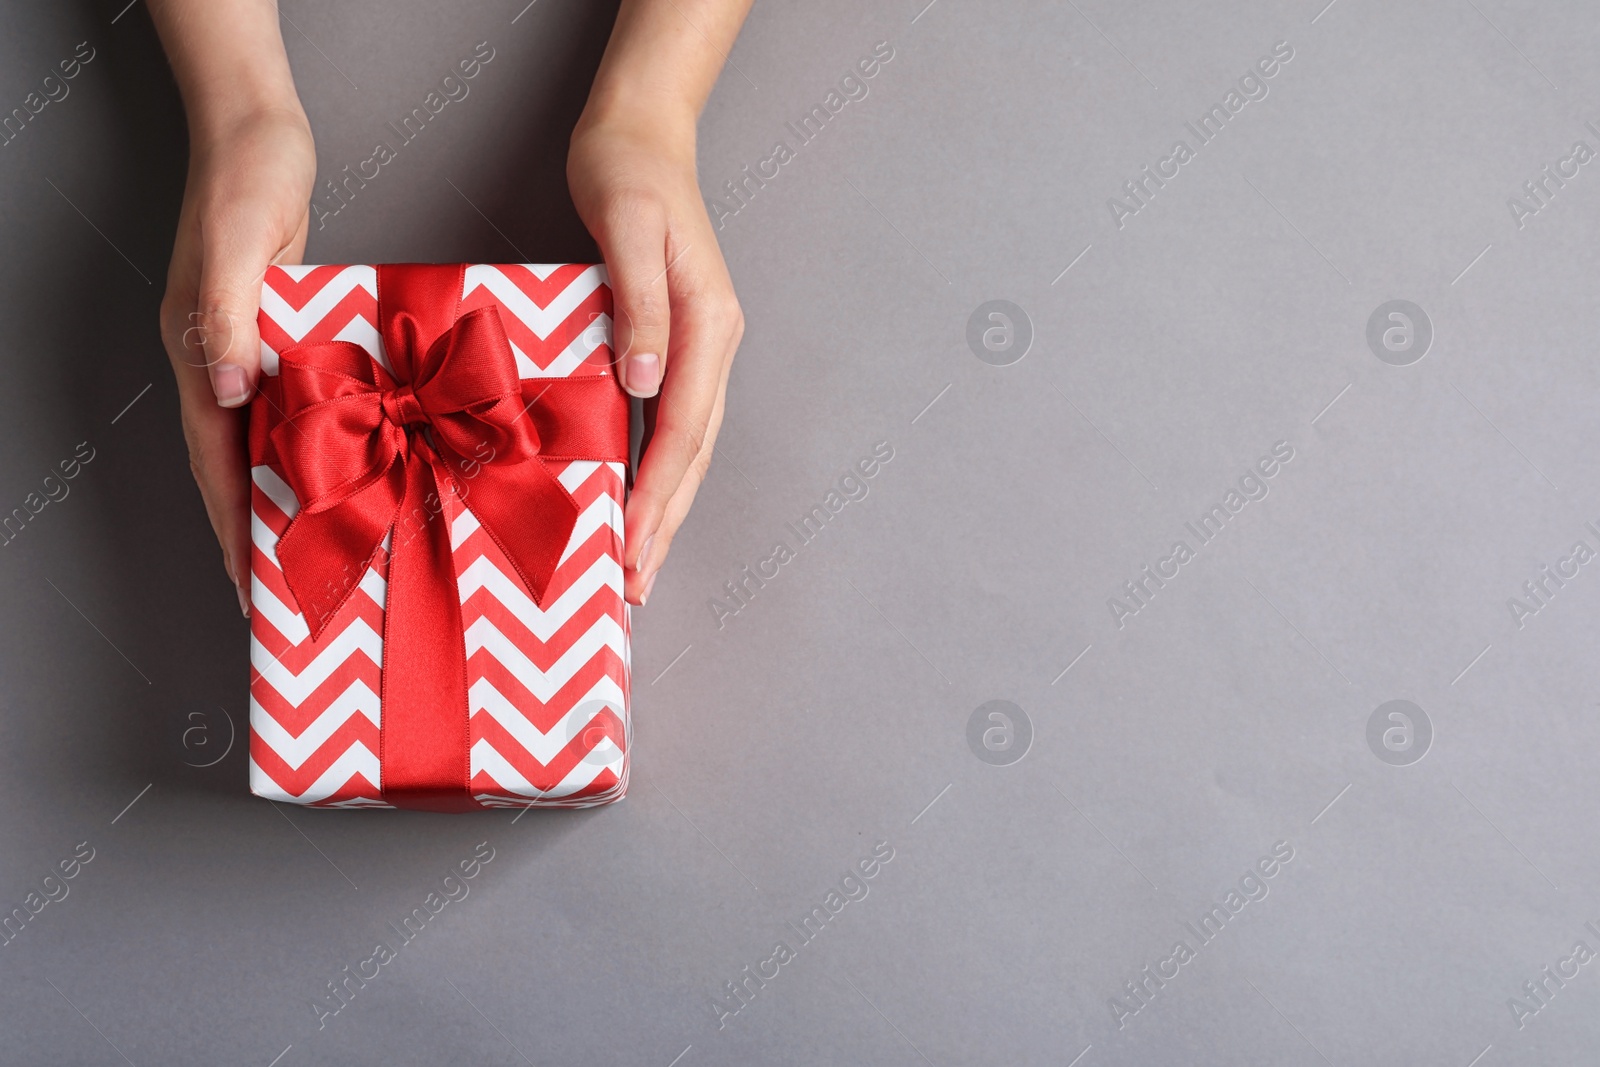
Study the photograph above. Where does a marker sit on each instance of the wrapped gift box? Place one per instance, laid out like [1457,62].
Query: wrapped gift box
[418,491]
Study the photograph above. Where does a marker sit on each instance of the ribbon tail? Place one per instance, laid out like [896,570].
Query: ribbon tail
[526,512]
[424,737]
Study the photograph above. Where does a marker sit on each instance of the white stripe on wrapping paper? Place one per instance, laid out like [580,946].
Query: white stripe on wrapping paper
[602,511]
[481,574]
[359,699]
[296,631]
[577,350]
[605,511]
[277,490]
[485,699]
[541,320]
[265,538]
[299,323]
[294,688]
[486,759]
[291,624]
[358,331]
[576,473]
[605,633]
[357,759]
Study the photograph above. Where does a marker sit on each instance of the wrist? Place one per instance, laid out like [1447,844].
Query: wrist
[642,111]
[214,114]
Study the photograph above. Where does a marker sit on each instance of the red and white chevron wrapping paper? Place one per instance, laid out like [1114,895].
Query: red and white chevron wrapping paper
[548,690]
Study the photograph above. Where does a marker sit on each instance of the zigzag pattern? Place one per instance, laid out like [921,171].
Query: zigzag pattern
[548,689]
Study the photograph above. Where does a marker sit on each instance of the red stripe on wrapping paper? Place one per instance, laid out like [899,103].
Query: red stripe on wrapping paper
[357,788]
[546,291]
[267,573]
[544,654]
[297,657]
[356,303]
[357,667]
[605,786]
[597,547]
[544,716]
[358,729]
[544,350]
[267,511]
[297,294]
[541,776]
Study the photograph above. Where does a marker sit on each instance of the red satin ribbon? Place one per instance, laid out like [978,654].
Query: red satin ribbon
[368,453]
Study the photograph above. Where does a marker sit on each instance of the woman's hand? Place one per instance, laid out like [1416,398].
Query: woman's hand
[631,170]
[677,322]
[245,206]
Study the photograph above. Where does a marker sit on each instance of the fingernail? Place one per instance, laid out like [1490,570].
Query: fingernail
[644,553]
[244,600]
[644,594]
[641,375]
[228,381]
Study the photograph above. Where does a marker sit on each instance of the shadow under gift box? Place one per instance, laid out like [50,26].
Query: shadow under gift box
[547,683]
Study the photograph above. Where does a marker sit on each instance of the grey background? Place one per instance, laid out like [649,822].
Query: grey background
[832,710]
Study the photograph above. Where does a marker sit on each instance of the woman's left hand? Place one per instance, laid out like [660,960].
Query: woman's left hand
[677,322]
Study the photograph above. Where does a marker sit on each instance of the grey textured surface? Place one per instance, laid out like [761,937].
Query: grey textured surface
[832,711]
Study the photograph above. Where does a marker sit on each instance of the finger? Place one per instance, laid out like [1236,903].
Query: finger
[236,251]
[706,328]
[637,584]
[219,461]
[215,435]
[633,241]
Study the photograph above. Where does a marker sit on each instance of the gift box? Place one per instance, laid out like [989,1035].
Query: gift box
[439,456]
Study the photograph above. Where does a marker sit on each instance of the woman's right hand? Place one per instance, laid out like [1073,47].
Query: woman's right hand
[246,205]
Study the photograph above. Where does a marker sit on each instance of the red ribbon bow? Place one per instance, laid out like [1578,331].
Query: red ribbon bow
[370,454]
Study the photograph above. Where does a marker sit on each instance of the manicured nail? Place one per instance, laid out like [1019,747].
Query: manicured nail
[644,594]
[244,600]
[641,375]
[644,553]
[228,381]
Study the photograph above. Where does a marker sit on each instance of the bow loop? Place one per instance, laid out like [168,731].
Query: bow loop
[351,432]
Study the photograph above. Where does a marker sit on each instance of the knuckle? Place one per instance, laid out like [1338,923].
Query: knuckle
[174,319]
[197,472]
[700,466]
[686,442]
[626,206]
[726,316]
[644,312]
[222,306]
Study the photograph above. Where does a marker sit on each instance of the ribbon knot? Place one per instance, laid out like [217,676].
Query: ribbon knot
[403,408]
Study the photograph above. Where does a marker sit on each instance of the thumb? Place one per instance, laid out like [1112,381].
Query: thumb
[222,331]
[635,256]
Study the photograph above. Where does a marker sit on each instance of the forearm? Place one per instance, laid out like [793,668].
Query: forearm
[228,59]
[663,58]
